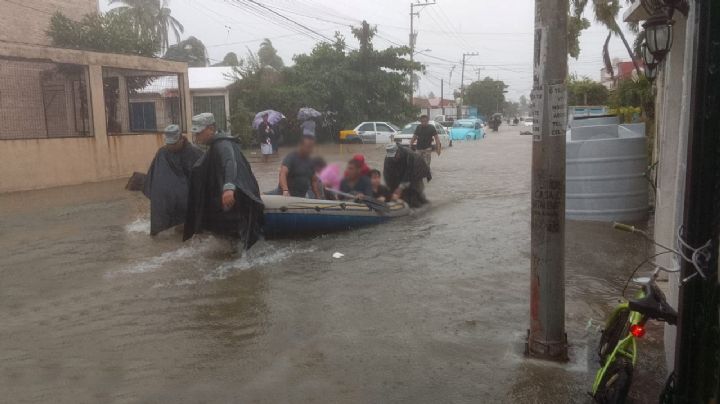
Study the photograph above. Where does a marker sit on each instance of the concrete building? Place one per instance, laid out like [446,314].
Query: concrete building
[71,116]
[209,89]
[622,70]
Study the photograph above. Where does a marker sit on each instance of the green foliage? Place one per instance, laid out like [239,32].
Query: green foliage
[150,18]
[191,50]
[230,59]
[634,93]
[268,56]
[488,95]
[101,32]
[576,24]
[586,92]
[240,122]
[354,85]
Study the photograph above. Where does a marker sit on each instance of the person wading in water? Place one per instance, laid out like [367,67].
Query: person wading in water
[166,182]
[224,197]
[423,139]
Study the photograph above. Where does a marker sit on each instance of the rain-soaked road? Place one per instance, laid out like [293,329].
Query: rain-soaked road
[427,309]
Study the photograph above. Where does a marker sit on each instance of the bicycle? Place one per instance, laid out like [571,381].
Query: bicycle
[618,343]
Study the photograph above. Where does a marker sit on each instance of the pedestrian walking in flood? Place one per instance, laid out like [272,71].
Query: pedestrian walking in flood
[423,138]
[224,197]
[266,136]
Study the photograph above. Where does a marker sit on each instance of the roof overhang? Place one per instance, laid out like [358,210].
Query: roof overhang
[636,12]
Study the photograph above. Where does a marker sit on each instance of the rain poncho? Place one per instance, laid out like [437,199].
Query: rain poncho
[408,168]
[223,166]
[167,184]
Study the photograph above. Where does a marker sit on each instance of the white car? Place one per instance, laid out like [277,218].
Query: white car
[371,132]
[406,134]
[527,121]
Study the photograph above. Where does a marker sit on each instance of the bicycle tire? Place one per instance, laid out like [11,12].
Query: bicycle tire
[616,330]
[615,384]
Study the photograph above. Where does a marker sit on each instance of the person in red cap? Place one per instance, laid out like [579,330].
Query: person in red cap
[364,169]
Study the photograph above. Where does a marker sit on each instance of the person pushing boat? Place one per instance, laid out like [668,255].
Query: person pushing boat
[166,182]
[224,197]
[405,172]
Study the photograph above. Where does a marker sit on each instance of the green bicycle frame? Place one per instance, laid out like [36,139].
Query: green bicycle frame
[626,347]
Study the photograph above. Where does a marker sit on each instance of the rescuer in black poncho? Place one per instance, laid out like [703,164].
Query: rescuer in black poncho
[167,180]
[404,172]
[224,197]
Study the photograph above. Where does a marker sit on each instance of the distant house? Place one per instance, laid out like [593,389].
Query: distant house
[209,88]
[622,70]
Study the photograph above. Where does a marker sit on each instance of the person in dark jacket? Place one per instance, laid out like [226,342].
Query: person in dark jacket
[224,196]
[404,172]
[166,182]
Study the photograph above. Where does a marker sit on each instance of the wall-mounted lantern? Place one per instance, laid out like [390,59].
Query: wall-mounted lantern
[650,63]
[659,28]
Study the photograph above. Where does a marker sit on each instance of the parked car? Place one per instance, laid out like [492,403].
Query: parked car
[370,132]
[467,129]
[527,121]
[405,135]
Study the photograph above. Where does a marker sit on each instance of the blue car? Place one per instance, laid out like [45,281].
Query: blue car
[467,129]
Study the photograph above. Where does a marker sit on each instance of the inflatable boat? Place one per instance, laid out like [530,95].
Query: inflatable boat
[289,216]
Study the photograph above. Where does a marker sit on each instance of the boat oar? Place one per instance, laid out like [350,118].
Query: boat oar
[370,203]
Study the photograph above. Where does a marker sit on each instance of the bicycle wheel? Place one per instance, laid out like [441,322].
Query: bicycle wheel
[615,384]
[615,331]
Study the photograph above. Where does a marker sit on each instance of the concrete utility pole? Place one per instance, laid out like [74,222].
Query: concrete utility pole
[442,95]
[462,84]
[546,336]
[413,38]
[452,69]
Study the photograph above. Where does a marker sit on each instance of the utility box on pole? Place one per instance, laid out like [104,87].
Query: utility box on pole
[546,336]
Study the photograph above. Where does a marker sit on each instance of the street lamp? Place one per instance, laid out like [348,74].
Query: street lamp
[659,36]
[650,63]
[659,28]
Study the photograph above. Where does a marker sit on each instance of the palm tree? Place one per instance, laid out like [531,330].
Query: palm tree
[606,13]
[151,17]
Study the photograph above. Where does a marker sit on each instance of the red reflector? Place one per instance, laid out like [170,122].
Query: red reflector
[637,330]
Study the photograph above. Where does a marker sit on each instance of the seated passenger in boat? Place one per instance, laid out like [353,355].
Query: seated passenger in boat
[381,193]
[354,182]
[319,165]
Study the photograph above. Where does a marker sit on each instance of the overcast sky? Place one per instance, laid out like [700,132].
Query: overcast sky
[499,30]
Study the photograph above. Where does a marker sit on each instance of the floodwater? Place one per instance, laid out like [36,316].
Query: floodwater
[431,308]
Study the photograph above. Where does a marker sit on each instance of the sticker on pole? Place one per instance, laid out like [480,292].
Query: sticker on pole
[536,97]
[557,101]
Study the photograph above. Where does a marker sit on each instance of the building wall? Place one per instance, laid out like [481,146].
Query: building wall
[27,20]
[43,163]
[47,162]
[672,120]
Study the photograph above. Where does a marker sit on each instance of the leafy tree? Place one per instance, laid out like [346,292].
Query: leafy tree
[576,24]
[190,50]
[152,18]
[113,33]
[268,56]
[230,59]
[349,86]
[634,93]
[488,95]
[585,91]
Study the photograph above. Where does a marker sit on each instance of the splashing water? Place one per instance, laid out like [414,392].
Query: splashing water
[140,225]
[261,255]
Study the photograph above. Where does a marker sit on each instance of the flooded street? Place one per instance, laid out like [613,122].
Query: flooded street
[431,308]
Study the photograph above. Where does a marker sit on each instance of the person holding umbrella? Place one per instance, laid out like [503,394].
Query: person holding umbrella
[307,117]
[266,135]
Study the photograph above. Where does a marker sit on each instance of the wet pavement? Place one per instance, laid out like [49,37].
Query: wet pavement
[430,308]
